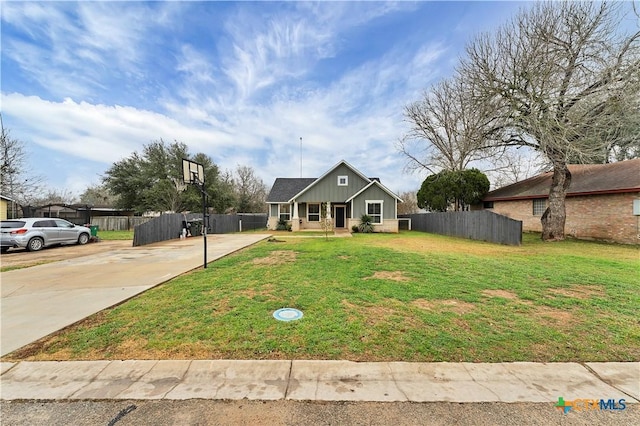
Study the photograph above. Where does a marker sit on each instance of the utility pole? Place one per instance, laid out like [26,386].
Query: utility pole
[300,156]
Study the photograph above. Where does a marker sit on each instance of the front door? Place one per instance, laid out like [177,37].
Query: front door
[339,214]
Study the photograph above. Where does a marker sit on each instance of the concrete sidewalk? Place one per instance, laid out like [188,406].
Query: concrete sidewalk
[42,299]
[319,381]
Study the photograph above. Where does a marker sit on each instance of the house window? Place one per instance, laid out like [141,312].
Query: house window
[487,204]
[313,212]
[285,212]
[374,210]
[539,206]
[343,180]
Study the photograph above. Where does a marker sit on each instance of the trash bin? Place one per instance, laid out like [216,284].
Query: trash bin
[195,228]
[94,230]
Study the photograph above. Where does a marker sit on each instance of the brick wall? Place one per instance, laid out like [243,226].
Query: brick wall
[601,217]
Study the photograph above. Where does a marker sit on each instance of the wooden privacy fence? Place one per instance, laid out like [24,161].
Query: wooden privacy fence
[482,225]
[226,223]
[169,226]
[118,223]
[161,228]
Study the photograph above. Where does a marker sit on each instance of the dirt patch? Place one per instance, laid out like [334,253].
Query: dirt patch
[389,275]
[348,304]
[373,314]
[462,324]
[578,291]
[436,244]
[266,291]
[376,314]
[277,257]
[457,306]
[554,317]
[500,293]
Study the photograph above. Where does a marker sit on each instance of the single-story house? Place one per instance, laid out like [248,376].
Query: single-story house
[348,195]
[603,201]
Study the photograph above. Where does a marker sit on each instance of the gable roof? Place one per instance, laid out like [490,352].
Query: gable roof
[285,188]
[340,163]
[586,179]
[378,184]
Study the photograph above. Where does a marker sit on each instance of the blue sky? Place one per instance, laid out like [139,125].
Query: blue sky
[85,84]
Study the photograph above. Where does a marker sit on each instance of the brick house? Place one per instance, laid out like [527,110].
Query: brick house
[603,201]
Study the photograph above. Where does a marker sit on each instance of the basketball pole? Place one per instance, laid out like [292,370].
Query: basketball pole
[200,186]
[204,223]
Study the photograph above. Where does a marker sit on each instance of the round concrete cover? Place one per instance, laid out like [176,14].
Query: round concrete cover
[287,314]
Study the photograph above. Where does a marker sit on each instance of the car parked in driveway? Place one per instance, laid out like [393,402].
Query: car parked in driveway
[35,233]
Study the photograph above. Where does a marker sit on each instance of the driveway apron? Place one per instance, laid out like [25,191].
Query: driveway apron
[40,300]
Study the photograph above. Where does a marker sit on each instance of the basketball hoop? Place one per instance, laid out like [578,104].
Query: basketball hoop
[192,172]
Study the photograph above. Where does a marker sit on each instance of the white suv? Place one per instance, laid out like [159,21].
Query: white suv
[34,233]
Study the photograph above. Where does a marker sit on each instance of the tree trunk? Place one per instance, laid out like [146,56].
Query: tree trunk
[555,215]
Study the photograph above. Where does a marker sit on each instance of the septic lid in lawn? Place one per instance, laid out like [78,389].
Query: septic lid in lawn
[287,314]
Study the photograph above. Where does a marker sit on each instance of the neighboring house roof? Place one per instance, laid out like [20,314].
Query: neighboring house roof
[285,188]
[5,198]
[586,179]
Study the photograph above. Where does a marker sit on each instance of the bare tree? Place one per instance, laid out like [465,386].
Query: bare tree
[561,79]
[250,191]
[98,195]
[446,131]
[326,223]
[16,180]
[409,203]
[54,196]
[515,165]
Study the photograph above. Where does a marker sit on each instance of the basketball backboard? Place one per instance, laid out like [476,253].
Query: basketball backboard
[192,172]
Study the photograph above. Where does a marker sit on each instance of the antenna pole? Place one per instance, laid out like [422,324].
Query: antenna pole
[300,156]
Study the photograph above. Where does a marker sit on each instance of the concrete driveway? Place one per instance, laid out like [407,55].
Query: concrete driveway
[42,299]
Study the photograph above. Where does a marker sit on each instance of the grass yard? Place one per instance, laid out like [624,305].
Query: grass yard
[115,235]
[379,297]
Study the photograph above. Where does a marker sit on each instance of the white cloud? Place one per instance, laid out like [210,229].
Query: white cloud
[71,48]
[212,100]
[99,133]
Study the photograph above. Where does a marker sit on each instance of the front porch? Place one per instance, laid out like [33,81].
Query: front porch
[308,216]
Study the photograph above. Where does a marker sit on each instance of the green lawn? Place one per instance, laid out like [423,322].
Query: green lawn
[375,297]
[115,235]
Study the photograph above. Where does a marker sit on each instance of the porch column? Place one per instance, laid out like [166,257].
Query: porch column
[295,220]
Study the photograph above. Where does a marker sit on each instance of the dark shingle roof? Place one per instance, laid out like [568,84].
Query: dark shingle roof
[623,176]
[284,189]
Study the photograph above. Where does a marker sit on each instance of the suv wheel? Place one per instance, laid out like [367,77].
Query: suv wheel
[83,239]
[35,244]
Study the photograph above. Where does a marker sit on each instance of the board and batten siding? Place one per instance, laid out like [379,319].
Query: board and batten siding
[371,194]
[327,188]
